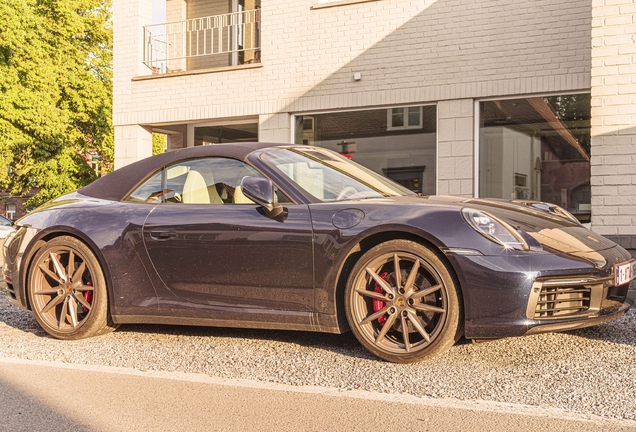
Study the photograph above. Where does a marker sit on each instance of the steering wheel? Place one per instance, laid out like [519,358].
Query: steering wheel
[346,191]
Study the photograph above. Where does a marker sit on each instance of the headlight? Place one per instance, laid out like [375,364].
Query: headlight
[494,229]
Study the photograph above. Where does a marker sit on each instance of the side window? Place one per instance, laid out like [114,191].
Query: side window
[150,191]
[198,181]
[208,181]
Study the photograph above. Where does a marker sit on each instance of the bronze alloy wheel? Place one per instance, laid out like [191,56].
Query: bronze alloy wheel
[402,302]
[67,290]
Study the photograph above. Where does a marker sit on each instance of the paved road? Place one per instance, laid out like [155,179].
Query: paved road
[60,397]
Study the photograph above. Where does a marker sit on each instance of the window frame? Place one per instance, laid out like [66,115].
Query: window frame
[405,113]
[7,211]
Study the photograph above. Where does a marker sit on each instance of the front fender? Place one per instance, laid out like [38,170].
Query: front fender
[113,233]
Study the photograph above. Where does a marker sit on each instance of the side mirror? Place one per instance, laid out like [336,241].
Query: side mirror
[261,191]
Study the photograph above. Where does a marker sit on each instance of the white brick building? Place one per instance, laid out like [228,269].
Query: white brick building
[466,97]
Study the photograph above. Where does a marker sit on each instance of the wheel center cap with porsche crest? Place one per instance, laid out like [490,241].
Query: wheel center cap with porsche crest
[400,302]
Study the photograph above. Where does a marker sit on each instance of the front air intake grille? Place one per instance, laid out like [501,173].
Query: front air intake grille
[560,298]
[562,301]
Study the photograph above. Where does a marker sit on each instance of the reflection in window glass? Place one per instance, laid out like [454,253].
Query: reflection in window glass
[330,177]
[398,143]
[538,149]
[414,116]
[149,192]
[397,119]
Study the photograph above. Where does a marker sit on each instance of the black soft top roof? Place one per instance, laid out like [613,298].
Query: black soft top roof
[117,184]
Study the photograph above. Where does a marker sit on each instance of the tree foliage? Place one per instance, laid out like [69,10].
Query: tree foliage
[158,143]
[55,94]
[575,112]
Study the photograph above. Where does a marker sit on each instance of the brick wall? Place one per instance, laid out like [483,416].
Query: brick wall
[406,51]
[132,142]
[274,128]
[6,198]
[455,147]
[614,120]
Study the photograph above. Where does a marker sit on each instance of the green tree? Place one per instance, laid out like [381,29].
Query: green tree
[158,143]
[55,94]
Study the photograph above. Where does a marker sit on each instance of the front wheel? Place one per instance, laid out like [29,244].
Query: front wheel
[403,303]
[67,290]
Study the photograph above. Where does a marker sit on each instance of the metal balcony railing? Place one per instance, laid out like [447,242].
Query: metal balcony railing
[200,42]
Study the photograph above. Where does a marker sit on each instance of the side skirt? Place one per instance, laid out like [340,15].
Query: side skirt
[212,322]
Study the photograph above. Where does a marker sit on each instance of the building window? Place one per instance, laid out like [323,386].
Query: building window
[206,135]
[404,118]
[537,148]
[9,211]
[405,153]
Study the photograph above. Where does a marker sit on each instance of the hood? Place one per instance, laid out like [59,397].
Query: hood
[552,230]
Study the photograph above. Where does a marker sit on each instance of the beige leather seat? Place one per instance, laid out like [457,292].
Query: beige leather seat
[215,198]
[240,198]
[195,191]
[176,171]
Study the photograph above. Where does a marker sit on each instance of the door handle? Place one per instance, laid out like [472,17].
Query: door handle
[162,235]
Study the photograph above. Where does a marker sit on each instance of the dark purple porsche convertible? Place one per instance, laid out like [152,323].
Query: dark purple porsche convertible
[297,237]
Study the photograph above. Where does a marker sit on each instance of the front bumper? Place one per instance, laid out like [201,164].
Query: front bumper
[601,317]
[532,293]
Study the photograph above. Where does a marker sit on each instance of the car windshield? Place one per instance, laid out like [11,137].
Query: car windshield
[328,176]
[4,222]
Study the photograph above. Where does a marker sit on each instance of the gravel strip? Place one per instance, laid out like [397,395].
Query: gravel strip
[588,371]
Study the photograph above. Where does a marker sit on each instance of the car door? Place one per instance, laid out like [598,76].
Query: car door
[213,247]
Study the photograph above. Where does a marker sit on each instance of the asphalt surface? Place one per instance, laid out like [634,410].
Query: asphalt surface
[61,397]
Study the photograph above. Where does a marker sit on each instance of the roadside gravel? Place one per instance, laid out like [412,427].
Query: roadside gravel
[591,371]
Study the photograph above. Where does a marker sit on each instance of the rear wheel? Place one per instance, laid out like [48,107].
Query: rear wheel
[402,302]
[67,290]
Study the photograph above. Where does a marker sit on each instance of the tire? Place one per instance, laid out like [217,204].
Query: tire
[67,290]
[427,302]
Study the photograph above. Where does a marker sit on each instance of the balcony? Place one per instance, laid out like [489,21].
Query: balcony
[209,42]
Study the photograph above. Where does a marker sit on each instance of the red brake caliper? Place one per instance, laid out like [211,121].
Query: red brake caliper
[88,296]
[379,304]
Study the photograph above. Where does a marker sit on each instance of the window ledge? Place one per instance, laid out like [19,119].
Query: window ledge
[199,71]
[339,3]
